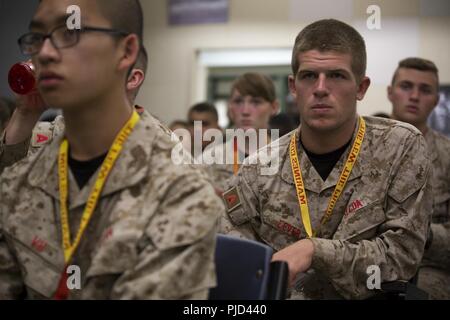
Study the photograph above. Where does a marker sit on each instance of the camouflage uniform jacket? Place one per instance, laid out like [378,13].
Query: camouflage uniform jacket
[381,217]
[151,236]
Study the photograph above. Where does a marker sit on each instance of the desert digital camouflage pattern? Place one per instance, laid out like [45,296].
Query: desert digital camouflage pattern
[152,235]
[434,274]
[381,217]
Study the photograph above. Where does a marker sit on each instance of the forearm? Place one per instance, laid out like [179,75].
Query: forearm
[20,127]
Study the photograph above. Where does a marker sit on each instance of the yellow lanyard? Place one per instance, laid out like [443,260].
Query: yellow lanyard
[105,169]
[345,174]
[235,157]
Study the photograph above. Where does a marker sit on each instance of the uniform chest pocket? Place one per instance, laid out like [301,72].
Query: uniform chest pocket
[113,255]
[112,259]
[363,224]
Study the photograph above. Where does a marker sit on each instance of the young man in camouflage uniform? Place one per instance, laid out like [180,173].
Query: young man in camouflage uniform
[414,94]
[149,230]
[351,195]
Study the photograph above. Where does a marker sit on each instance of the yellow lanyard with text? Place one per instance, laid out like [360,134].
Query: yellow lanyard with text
[105,169]
[345,174]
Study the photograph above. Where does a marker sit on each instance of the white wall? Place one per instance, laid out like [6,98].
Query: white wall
[175,81]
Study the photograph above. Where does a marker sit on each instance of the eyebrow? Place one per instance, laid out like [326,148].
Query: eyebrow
[420,84]
[327,71]
[38,24]
[339,70]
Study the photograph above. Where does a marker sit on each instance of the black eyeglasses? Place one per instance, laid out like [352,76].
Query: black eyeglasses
[61,37]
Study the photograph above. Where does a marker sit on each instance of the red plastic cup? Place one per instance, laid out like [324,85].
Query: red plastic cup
[21,78]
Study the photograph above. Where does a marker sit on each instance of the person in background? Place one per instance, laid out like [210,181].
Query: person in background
[414,93]
[439,119]
[201,117]
[178,124]
[251,104]
[351,194]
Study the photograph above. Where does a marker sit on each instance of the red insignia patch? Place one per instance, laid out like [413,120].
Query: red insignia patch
[38,244]
[232,200]
[41,138]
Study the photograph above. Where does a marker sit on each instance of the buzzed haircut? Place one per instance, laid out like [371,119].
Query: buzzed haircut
[202,107]
[124,15]
[332,35]
[416,63]
[255,85]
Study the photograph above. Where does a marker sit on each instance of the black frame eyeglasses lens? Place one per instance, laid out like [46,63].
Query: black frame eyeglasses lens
[61,37]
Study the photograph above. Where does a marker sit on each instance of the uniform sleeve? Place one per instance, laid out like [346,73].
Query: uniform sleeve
[10,154]
[11,284]
[439,250]
[240,203]
[398,247]
[177,259]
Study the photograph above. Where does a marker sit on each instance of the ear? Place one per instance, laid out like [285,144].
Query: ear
[362,88]
[135,79]
[129,52]
[390,90]
[291,85]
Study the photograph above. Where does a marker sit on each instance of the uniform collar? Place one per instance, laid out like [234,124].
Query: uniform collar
[312,180]
[131,167]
